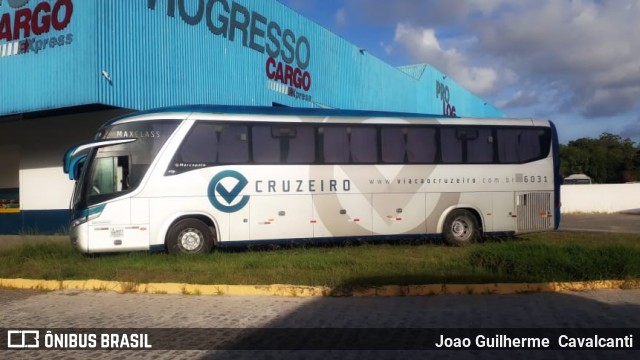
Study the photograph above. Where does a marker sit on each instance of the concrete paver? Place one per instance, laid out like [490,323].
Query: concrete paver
[79,309]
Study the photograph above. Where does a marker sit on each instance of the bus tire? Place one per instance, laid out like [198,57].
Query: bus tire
[189,236]
[460,228]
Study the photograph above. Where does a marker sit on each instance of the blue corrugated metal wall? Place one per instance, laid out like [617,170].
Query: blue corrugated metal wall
[141,54]
[57,68]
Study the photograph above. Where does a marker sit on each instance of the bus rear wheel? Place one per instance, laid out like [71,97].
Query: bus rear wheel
[189,236]
[461,228]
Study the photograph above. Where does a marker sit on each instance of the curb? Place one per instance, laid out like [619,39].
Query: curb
[316,291]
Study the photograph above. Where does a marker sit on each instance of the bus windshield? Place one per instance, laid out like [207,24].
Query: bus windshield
[112,171]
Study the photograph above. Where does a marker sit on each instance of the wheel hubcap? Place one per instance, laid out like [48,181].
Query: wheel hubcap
[461,229]
[190,240]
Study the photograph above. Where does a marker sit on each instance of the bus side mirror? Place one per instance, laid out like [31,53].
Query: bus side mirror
[75,167]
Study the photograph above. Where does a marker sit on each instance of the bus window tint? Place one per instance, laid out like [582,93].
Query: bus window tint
[522,145]
[302,147]
[335,144]
[421,145]
[266,148]
[451,146]
[530,145]
[508,145]
[210,144]
[480,147]
[393,145]
[364,145]
[473,145]
[283,144]
[200,146]
[415,145]
[234,145]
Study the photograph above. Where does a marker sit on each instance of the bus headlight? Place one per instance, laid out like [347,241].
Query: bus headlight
[79,221]
[87,215]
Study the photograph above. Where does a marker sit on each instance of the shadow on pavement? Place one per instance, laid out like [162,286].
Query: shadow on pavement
[348,328]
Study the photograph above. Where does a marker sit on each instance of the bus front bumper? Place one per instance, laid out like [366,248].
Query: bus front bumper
[79,237]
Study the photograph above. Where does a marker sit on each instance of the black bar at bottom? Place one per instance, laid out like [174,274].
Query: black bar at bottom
[321,339]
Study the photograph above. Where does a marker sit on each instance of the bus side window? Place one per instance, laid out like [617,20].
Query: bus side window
[110,175]
[480,148]
[508,145]
[472,145]
[529,145]
[302,147]
[421,145]
[393,145]
[522,145]
[413,145]
[364,145]
[451,146]
[234,145]
[266,148]
[335,144]
[200,146]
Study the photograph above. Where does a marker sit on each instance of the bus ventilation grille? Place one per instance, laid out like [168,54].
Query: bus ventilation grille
[535,212]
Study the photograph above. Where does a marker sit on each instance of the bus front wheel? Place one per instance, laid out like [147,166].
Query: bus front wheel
[189,236]
[461,228]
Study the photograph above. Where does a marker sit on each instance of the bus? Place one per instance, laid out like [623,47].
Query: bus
[577,179]
[192,178]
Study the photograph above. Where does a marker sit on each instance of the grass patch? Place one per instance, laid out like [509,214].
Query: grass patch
[544,257]
[536,262]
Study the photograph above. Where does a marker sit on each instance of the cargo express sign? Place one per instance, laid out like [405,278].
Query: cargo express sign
[34,29]
[289,53]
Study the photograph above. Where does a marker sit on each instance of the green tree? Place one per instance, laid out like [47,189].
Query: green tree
[608,159]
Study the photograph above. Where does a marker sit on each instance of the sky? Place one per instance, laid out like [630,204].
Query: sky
[575,62]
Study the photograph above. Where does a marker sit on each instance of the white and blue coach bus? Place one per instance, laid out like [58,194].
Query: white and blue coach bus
[188,179]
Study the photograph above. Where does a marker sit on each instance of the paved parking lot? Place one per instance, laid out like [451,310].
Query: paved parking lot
[625,223]
[77,309]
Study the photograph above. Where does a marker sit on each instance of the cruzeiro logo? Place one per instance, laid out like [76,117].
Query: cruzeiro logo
[224,191]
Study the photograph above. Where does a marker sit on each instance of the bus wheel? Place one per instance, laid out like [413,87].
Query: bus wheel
[189,236]
[461,228]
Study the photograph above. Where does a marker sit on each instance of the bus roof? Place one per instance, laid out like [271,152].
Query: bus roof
[266,110]
[180,111]
[577,177]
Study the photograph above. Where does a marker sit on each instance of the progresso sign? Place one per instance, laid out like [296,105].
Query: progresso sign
[289,53]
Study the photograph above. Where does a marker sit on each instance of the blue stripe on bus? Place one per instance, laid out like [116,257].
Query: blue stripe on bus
[157,248]
[556,173]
